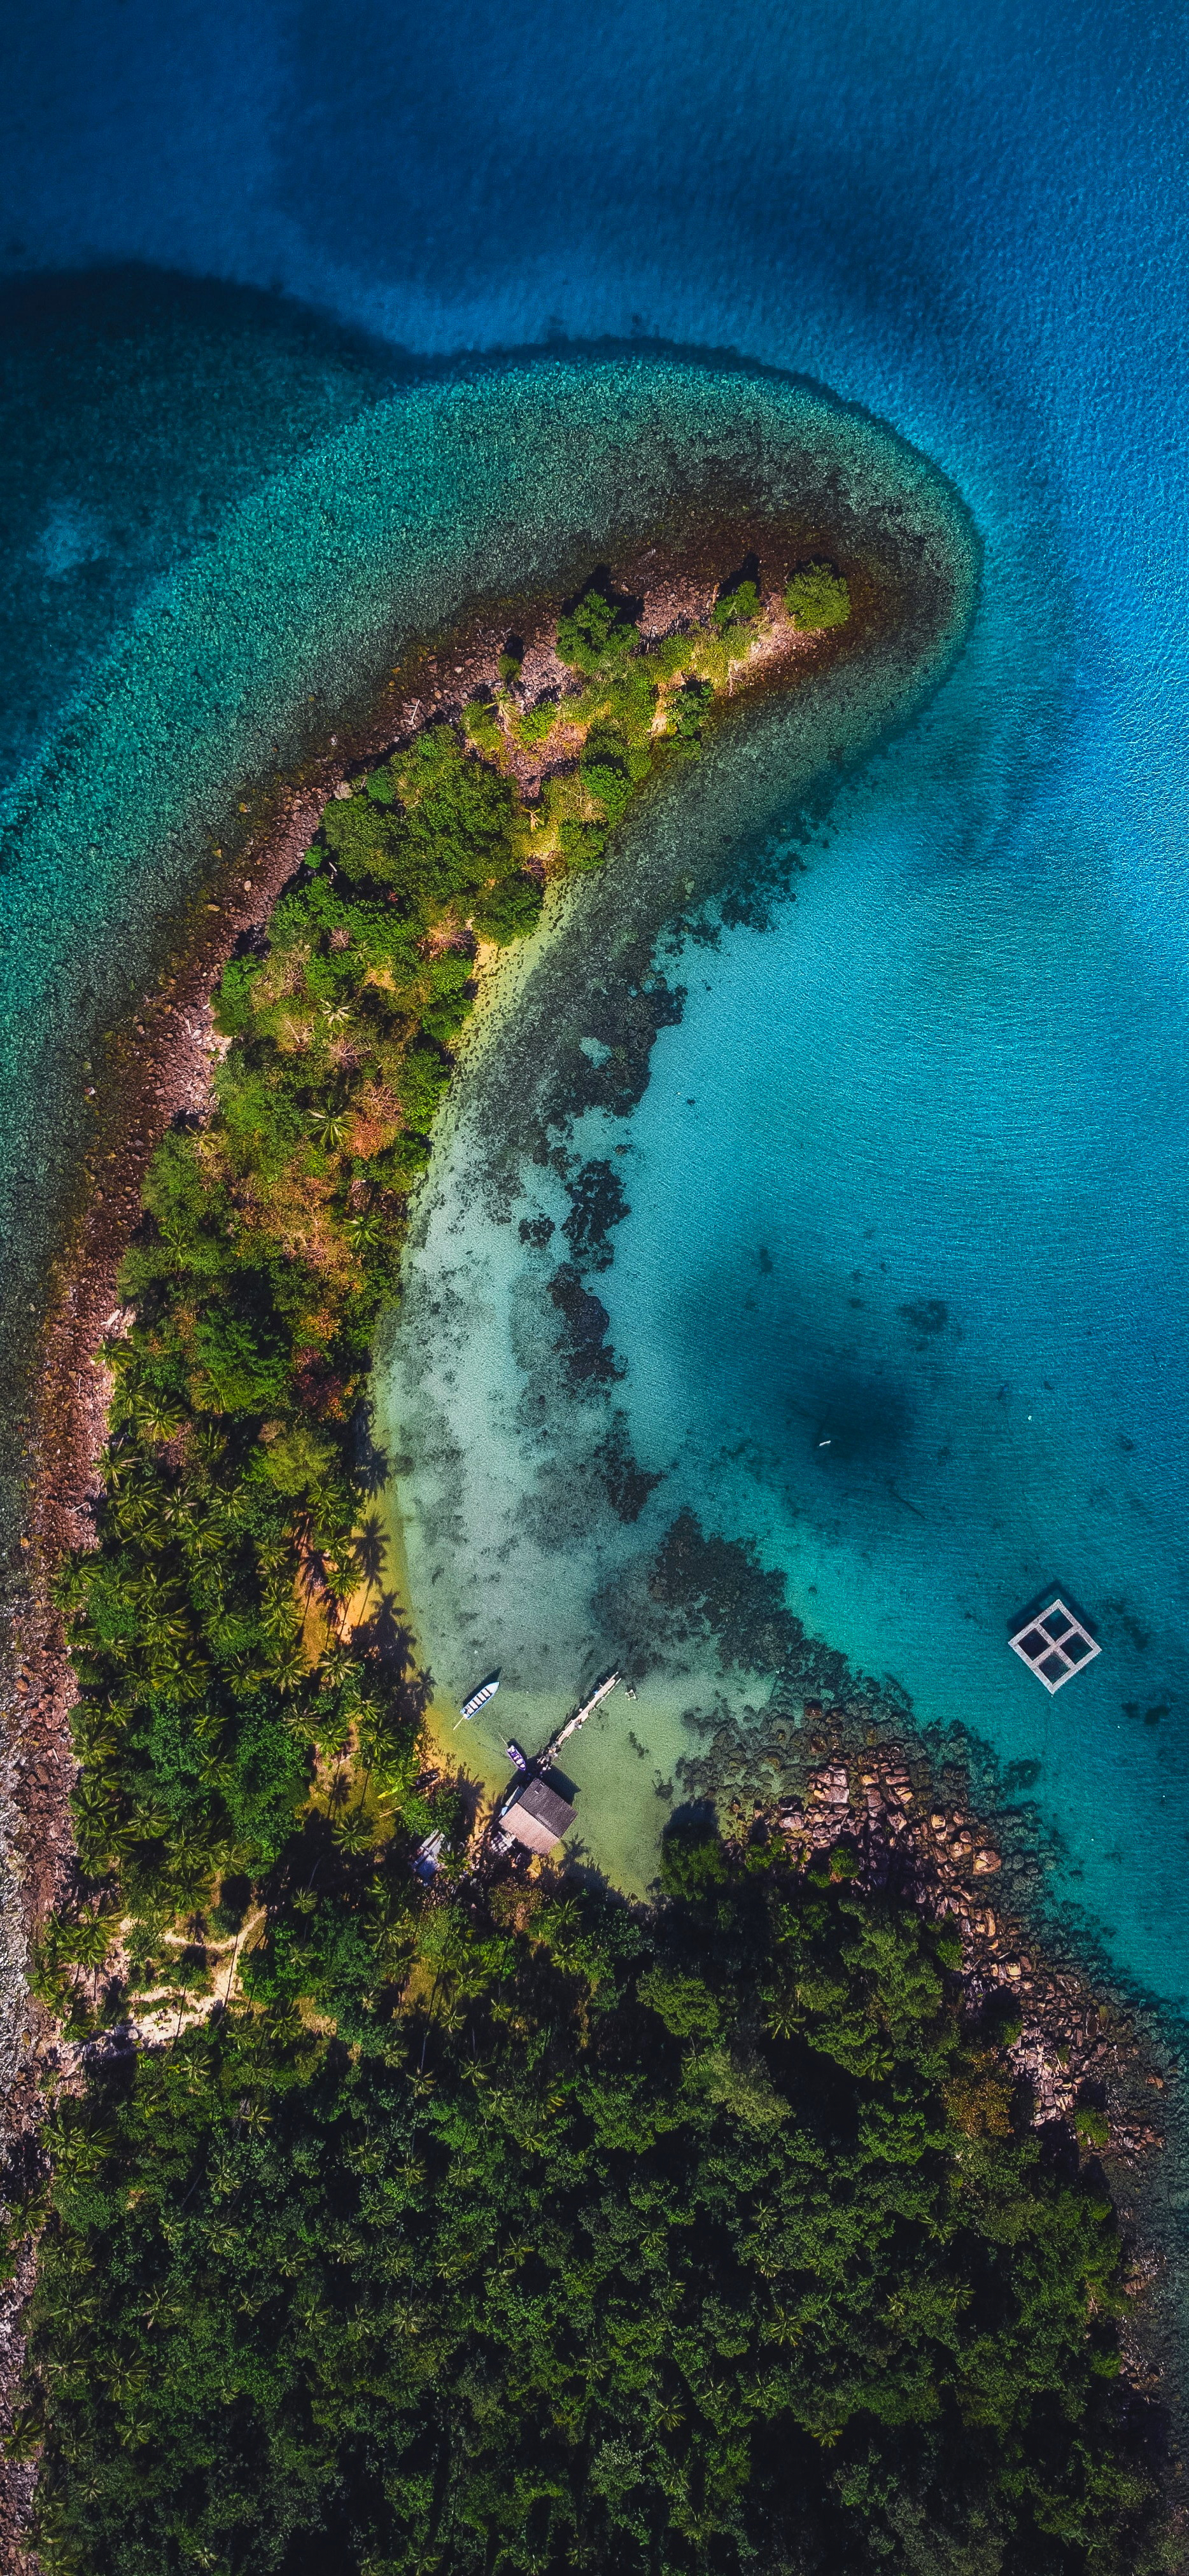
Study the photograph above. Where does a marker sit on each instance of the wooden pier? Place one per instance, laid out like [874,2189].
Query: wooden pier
[579,1718]
[532,1812]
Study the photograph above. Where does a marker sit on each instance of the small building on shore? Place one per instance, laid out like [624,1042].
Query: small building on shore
[536,1816]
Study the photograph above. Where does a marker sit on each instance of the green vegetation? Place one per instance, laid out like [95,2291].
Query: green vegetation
[496,2228]
[688,709]
[226,1694]
[596,635]
[702,2239]
[736,611]
[215,1675]
[481,725]
[817,596]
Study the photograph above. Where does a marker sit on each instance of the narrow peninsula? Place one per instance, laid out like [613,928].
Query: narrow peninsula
[485,2221]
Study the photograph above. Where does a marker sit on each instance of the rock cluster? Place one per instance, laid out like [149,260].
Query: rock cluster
[1071,2050]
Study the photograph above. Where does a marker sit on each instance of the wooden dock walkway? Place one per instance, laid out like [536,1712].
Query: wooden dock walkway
[579,1718]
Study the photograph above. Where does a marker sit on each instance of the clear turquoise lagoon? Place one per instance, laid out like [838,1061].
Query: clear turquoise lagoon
[898,1297]
[927,1204]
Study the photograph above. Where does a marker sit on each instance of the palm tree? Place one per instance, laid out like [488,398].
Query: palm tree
[784,2016]
[190,1879]
[354,1832]
[366,1230]
[100,1830]
[272,1554]
[287,1666]
[152,1415]
[328,1126]
[278,1616]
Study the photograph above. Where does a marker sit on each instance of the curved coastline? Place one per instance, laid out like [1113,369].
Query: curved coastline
[127,822]
[210,737]
[173,1079]
[158,1069]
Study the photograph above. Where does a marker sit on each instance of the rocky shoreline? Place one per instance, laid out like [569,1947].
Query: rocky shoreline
[1074,2052]
[148,1073]
[157,1069]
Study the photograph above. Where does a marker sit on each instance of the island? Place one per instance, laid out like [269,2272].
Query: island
[466,2215]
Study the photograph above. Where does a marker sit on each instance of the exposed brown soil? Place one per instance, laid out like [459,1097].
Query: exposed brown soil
[157,1067]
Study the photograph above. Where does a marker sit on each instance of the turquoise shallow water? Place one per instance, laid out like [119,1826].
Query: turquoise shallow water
[965,1035]
[907,1180]
[945,1242]
[899,1184]
[246,655]
[255,635]
[952,1067]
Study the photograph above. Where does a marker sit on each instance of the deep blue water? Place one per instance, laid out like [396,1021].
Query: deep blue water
[961,1053]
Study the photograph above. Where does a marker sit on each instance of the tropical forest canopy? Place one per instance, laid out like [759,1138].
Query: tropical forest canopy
[708,2238]
[492,2226]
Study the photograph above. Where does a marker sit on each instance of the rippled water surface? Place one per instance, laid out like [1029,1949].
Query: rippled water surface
[942,1094]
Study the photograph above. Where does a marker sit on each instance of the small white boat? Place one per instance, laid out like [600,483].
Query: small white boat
[479,1699]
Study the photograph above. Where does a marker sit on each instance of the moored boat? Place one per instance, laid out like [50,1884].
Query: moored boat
[479,1698]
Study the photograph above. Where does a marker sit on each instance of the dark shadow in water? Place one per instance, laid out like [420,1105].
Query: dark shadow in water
[1054,1591]
[856,1421]
[371,1464]
[695,1815]
[371,1548]
[138,407]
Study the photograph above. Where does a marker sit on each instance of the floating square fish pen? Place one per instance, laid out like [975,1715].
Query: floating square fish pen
[1054,1646]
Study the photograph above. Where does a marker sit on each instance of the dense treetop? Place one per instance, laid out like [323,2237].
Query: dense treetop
[706,2238]
[817,597]
[500,2228]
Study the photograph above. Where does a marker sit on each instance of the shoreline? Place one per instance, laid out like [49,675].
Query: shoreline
[905,1828]
[158,1067]
[161,1069]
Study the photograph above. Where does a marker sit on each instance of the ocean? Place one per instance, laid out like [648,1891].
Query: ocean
[901,1294]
